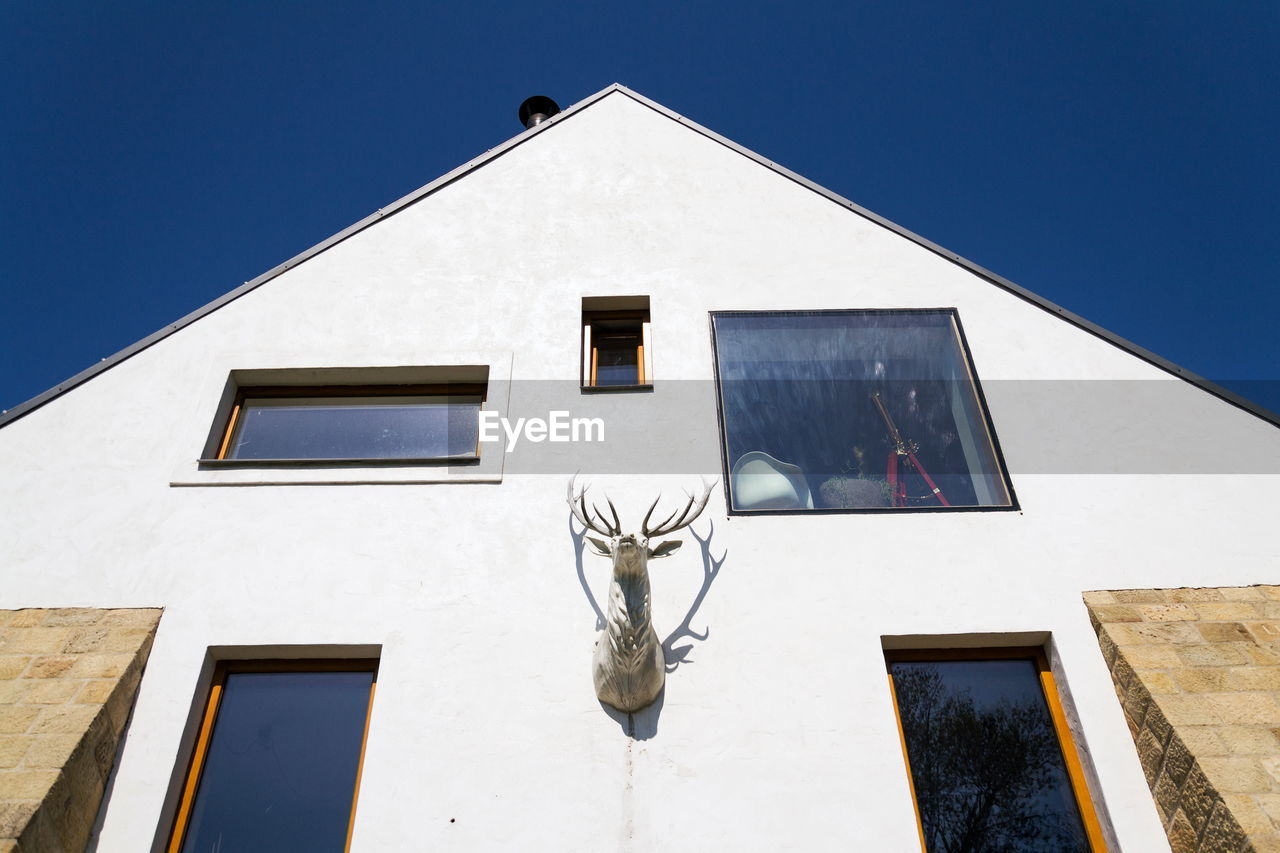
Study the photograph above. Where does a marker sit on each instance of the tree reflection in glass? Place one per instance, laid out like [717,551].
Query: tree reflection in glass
[985,761]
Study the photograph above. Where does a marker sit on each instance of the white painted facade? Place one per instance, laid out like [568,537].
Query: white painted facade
[778,732]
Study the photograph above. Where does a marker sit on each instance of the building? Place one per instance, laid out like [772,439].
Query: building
[292,475]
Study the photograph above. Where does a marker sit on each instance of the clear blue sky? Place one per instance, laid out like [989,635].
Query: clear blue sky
[1118,158]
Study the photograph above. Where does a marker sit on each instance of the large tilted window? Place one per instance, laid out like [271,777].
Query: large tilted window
[354,423]
[991,759]
[277,760]
[853,410]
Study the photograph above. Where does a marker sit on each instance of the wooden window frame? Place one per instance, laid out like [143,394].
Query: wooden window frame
[591,352]
[439,389]
[1048,688]
[208,721]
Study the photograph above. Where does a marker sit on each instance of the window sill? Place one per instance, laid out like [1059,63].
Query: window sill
[465,459]
[606,389]
[340,472]
[882,510]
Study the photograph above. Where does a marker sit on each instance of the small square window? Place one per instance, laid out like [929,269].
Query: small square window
[353,423]
[990,758]
[616,349]
[852,411]
[277,758]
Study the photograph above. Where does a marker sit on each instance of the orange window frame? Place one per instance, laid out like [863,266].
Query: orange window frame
[208,721]
[460,389]
[1048,688]
[590,321]
[595,364]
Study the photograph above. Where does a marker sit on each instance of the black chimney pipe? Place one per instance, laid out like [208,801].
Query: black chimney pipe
[534,111]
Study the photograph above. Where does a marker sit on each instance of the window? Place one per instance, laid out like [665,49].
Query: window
[616,351]
[379,418]
[277,760]
[852,410]
[991,761]
[360,423]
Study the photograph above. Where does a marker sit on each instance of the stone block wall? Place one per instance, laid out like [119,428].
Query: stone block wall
[1198,674]
[67,682]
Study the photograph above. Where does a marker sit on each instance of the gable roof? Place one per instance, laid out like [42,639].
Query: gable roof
[524,136]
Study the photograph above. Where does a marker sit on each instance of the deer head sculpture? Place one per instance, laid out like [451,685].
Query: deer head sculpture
[628,668]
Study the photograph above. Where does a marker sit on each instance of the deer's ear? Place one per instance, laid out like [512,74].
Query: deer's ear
[600,546]
[666,549]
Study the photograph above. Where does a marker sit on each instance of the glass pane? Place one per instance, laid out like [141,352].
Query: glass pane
[852,410]
[280,771]
[617,360]
[985,760]
[356,428]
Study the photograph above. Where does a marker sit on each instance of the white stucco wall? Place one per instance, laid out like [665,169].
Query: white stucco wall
[486,734]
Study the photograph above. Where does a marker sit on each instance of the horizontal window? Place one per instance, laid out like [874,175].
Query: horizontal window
[354,423]
[852,410]
[991,760]
[383,419]
[278,758]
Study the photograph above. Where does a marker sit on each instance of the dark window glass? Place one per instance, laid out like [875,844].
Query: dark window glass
[369,427]
[986,764]
[615,354]
[852,410]
[280,769]
[618,359]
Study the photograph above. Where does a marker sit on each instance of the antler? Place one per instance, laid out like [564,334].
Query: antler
[578,506]
[669,525]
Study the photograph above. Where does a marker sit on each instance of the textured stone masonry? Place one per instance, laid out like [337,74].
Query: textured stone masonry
[1197,672]
[67,681]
